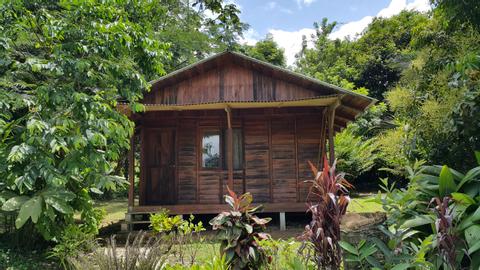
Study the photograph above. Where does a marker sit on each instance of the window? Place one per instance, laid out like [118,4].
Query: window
[214,149]
[211,150]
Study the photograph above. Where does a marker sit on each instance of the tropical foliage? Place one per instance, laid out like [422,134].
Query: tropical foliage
[328,200]
[266,50]
[423,69]
[438,213]
[240,231]
[64,67]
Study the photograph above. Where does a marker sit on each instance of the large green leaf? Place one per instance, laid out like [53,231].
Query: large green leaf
[463,198]
[59,194]
[348,247]
[477,156]
[417,221]
[476,215]
[31,209]
[446,184]
[471,175]
[401,266]
[14,203]
[5,196]
[474,247]
[472,236]
[59,204]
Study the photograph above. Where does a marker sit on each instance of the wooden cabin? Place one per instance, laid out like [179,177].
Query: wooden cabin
[231,120]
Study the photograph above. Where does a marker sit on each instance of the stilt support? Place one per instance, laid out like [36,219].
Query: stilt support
[283,223]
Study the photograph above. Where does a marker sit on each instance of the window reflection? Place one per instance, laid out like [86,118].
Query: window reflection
[211,150]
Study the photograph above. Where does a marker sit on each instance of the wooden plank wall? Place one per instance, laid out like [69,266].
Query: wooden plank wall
[283,160]
[186,158]
[276,150]
[308,139]
[229,83]
[257,154]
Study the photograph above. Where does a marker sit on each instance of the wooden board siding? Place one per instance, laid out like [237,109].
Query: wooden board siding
[229,83]
[186,156]
[233,77]
[308,139]
[283,160]
[277,145]
[257,178]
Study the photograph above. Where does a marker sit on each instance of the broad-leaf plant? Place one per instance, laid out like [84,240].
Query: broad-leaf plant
[64,65]
[440,204]
[240,231]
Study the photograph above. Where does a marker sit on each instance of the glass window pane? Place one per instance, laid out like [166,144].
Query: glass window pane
[211,150]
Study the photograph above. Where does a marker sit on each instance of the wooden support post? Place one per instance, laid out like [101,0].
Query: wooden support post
[331,125]
[322,143]
[229,148]
[283,222]
[131,172]
[143,167]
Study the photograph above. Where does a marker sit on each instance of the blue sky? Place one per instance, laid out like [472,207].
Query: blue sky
[288,20]
[292,15]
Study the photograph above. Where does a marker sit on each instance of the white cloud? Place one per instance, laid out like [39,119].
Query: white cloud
[308,2]
[419,5]
[274,5]
[250,37]
[301,3]
[291,41]
[351,29]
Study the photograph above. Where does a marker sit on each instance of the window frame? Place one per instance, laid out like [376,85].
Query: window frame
[223,166]
[218,131]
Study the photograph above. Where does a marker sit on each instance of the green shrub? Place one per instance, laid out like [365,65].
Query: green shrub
[355,155]
[162,222]
[212,263]
[74,240]
[435,221]
[286,255]
[14,259]
[183,234]
[239,231]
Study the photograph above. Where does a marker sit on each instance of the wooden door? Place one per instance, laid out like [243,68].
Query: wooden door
[160,160]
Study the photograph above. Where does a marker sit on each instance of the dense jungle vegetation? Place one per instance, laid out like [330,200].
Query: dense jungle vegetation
[64,65]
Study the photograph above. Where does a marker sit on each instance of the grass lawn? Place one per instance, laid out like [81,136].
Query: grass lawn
[362,204]
[116,209]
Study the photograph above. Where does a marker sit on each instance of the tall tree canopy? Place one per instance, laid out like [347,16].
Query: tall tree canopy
[64,66]
[425,67]
[265,50]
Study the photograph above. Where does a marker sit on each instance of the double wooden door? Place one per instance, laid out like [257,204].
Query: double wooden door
[160,166]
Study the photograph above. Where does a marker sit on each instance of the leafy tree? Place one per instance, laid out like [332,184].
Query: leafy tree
[355,155]
[438,95]
[329,60]
[64,67]
[192,35]
[460,12]
[384,51]
[266,50]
